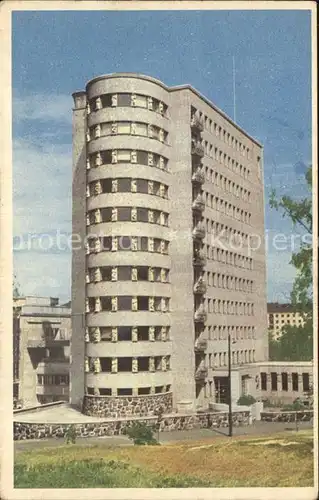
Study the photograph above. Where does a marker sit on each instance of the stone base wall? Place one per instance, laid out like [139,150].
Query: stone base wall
[24,430]
[287,416]
[127,406]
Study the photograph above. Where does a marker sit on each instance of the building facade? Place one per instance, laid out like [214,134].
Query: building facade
[280,315]
[41,350]
[284,381]
[277,382]
[167,192]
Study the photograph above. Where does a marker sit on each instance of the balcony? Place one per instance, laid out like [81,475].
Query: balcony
[199,176]
[36,343]
[52,390]
[41,343]
[200,315]
[197,149]
[199,232]
[61,338]
[200,345]
[198,204]
[197,123]
[53,366]
[199,259]
[200,286]
[201,373]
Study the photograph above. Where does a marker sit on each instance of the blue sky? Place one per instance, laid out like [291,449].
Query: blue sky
[56,53]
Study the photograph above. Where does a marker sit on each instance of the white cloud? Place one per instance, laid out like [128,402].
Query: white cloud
[42,186]
[42,183]
[43,107]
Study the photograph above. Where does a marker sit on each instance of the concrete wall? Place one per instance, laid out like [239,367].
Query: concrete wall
[78,251]
[183,334]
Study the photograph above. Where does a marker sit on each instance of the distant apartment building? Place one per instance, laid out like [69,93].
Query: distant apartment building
[280,315]
[41,350]
[166,193]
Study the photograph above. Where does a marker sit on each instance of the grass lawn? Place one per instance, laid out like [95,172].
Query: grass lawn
[279,460]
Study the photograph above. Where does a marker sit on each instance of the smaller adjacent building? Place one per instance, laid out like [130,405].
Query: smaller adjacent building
[278,382]
[280,315]
[41,350]
[284,381]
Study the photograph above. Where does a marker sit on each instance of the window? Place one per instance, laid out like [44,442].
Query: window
[143,364]
[106,333]
[105,364]
[124,273]
[142,273]
[273,377]
[105,392]
[295,382]
[124,364]
[124,392]
[142,303]
[143,390]
[124,100]
[124,303]
[284,381]
[124,334]
[305,382]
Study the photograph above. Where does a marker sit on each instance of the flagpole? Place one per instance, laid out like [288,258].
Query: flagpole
[234,89]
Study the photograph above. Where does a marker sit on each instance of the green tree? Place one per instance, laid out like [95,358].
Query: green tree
[296,342]
[274,347]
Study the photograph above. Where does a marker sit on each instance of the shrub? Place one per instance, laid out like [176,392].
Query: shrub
[297,405]
[141,433]
[246,400]
[70,435]
[269,404]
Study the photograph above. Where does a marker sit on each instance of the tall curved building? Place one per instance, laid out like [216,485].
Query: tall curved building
[150,291]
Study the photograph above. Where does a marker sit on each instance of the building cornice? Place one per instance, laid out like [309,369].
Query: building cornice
[172,89]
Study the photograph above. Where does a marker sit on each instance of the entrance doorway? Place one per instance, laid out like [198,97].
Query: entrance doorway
[221,389]
[244,384]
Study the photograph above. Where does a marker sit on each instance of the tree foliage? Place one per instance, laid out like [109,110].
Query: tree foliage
[296,342]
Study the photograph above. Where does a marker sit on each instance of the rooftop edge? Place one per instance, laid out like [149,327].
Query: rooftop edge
[171,89]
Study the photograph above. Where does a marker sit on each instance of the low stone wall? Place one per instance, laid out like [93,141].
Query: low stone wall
[203,421]
[26,430]
[39,407]
[287,416]
[127,406]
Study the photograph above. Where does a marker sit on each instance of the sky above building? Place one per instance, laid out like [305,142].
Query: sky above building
[56,53]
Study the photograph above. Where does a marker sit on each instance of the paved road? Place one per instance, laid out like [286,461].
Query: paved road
[257,429]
